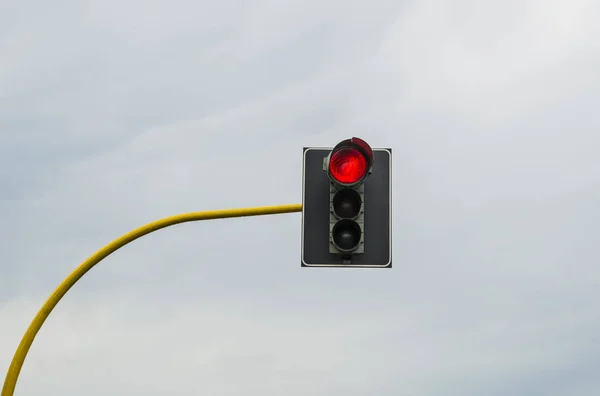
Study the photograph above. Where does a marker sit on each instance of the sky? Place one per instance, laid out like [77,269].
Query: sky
[117,113]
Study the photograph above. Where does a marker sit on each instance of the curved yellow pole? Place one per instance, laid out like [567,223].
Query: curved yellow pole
[17,363]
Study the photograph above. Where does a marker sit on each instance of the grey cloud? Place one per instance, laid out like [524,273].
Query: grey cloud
[114,114]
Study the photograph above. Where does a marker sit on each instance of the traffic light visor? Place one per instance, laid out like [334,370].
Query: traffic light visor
[350,161]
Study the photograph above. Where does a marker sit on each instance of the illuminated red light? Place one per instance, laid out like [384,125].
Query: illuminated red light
[348,165]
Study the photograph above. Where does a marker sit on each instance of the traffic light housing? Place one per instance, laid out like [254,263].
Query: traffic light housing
[346,215]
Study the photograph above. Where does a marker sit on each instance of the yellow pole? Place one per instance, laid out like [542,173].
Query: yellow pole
[14,370]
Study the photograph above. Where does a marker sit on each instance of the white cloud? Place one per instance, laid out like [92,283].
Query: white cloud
[493,60]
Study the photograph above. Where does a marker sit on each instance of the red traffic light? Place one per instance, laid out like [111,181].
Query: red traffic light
[347,165]
[350,161]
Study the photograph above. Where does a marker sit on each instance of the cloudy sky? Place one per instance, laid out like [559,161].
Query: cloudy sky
[117,113]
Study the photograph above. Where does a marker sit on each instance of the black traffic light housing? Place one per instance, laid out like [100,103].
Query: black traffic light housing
[347,166]
[346,216]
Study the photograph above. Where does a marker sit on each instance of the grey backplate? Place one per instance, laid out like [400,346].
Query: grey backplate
[315,213]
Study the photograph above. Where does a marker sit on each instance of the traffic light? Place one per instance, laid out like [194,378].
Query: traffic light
[347,166]
[346,212]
